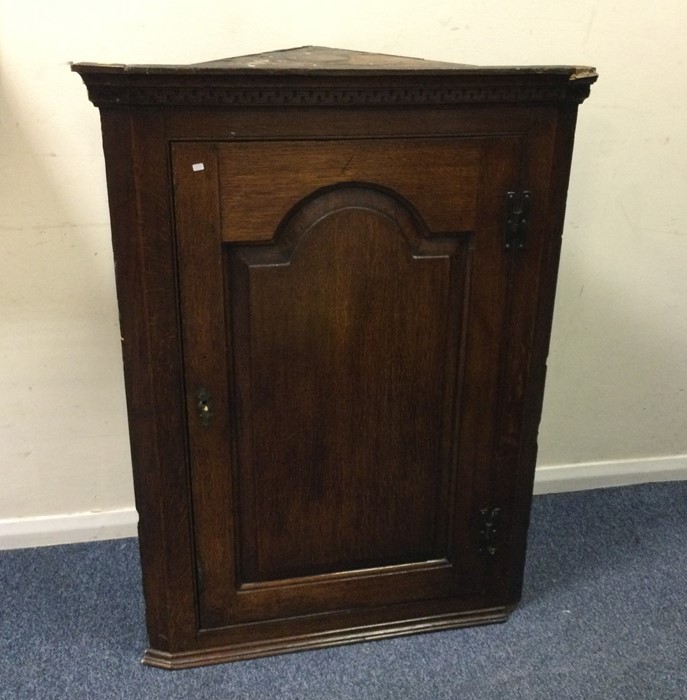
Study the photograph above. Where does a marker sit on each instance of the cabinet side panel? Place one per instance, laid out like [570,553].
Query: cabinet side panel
[549,162]
[137,178]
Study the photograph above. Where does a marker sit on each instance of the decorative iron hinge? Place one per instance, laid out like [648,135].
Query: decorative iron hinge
[517,219]
[489,530]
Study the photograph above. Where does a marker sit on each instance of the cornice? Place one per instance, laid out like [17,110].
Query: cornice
[107,94]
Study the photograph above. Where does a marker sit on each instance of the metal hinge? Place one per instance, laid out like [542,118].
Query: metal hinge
[517,219]
[489,530]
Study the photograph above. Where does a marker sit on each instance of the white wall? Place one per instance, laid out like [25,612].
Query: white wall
[617,371]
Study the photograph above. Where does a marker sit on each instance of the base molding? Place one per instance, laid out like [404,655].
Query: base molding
[69,528]
[596,475]
[321,640]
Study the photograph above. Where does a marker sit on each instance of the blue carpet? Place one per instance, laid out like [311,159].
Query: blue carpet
[603,616]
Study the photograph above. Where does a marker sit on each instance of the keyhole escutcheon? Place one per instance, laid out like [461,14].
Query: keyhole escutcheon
[204,406]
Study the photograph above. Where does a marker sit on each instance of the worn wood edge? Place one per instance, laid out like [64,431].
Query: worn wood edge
[284,645]
[570,72]
[308,60]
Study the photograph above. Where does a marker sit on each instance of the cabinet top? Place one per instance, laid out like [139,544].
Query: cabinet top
[318,67]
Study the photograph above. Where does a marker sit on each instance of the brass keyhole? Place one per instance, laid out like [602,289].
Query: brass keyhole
[204,406]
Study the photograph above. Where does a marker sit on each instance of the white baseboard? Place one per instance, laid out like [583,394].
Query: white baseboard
[113,524]
[597,475]
[67,528]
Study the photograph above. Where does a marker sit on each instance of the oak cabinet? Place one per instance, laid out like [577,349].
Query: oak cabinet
[336,275]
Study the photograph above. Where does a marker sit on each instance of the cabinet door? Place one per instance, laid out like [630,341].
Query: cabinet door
[346,327]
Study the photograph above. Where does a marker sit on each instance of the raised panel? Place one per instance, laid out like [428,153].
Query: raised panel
[346,339]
